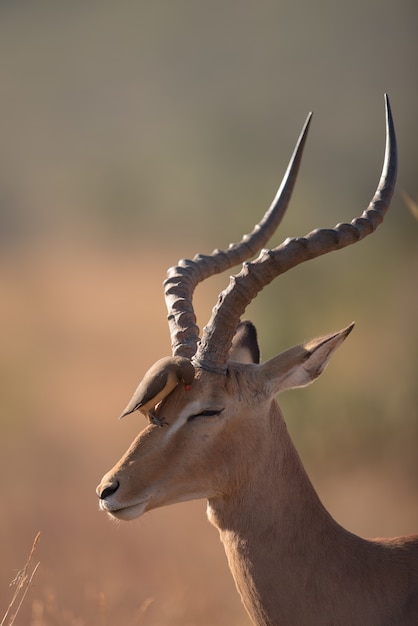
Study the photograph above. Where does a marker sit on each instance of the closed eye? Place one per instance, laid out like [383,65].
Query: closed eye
[207,413]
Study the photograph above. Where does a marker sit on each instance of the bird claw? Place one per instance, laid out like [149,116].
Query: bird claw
[157,421]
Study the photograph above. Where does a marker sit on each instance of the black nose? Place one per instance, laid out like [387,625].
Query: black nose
[104,491]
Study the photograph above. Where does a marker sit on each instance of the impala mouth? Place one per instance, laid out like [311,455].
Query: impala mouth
[126,513]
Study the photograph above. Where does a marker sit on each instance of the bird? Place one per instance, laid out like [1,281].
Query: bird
[158,382]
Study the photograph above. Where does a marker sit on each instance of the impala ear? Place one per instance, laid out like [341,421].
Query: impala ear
[300,365]
[244,348]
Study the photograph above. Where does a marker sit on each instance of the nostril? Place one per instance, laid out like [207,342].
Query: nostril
[108,490]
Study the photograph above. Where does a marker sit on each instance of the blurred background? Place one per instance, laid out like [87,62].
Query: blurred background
[136,133]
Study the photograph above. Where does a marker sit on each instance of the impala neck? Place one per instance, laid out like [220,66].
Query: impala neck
[273,529]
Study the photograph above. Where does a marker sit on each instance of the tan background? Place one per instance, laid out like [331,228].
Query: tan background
[133,133]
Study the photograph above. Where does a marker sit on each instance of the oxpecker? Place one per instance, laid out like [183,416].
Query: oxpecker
[158,382]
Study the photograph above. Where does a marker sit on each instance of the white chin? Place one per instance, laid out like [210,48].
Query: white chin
[127,513]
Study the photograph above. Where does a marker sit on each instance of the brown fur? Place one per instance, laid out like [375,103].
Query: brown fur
[292,563]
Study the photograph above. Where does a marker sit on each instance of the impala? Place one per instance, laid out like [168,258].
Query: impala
[216,431]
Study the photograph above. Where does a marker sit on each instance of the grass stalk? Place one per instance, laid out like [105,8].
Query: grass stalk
[22,582]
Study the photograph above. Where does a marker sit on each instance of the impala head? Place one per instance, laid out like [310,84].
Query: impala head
[203,430]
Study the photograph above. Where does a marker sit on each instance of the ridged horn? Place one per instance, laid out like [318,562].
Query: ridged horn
[213,349]
[183,279]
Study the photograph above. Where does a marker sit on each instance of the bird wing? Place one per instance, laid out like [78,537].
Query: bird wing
[147,390]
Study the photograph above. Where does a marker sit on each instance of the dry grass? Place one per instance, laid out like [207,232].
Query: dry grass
[22,583]
[411,204]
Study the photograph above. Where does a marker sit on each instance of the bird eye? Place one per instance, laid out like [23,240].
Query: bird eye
[207,413]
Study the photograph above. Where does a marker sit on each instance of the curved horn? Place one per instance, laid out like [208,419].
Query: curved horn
[183,279]
[217,335]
